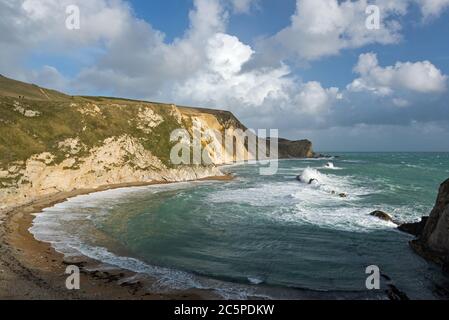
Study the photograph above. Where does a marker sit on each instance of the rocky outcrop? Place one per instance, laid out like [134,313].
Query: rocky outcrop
[415,228]
[382,215]
[433,243]
[295,149]
[117,161]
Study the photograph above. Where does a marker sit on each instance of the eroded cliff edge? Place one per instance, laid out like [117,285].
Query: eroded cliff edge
[433,243]
[51,142]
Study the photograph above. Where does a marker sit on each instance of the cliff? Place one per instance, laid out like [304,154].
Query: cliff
[51,142]
[295,149]
[433,243]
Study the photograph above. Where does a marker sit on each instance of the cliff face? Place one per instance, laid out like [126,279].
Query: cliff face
[295,149]
[51,142]
[433,243]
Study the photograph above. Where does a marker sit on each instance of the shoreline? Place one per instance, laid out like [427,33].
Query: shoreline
[31,269]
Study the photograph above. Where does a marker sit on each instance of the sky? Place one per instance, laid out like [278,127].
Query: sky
[310,68]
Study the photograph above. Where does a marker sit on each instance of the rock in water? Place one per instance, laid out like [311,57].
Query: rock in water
[381,215]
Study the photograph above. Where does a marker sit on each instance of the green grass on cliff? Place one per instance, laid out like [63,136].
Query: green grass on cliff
[16,89]
[21,137]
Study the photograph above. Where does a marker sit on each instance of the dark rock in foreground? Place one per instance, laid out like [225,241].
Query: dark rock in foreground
[433,243]
[395,294]
[416,228]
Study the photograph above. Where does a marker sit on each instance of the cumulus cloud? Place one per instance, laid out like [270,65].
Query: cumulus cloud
[322,28]
[421,77]
[314,99]
[30,26]
[221,81]
[258,94]
[150,67]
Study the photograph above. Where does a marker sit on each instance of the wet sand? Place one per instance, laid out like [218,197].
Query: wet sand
[30,269]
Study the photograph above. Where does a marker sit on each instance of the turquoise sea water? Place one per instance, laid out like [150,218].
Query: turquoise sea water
[270,236]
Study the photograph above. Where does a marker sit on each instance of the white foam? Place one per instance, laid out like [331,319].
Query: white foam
[67,227]
[255,196]
[312,176]
[330,165]
[256,280]
[319,203]
[353,161]
[166,279]
[331,184]
[356,219]
[311,159]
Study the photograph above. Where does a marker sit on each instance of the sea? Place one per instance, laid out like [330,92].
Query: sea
[304,233]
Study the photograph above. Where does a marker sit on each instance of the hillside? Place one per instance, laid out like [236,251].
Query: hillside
[16,89]
[52,142]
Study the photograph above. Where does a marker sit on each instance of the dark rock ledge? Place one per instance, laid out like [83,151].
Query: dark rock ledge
[432,238]
[432,233]
[433,242]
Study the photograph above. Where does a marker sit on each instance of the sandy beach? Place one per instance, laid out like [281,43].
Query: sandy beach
[30,269]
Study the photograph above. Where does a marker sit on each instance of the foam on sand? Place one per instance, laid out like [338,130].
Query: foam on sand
[69,229]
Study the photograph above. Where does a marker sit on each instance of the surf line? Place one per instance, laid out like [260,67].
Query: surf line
[191,311]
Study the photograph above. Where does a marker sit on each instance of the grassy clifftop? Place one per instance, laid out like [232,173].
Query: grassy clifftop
[35,120]
[15,89]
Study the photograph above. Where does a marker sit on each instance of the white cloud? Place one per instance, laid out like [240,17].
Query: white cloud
[322,28]
[243,6]
[420,77]
[48,77]
[207,17]
[432,8]
[101,20]
[227,54]
[221,81]
[139,62]
[30,26]
[313,99]
[401,103]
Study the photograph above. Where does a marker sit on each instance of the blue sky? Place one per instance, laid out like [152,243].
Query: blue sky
[308,67]
[421,40]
